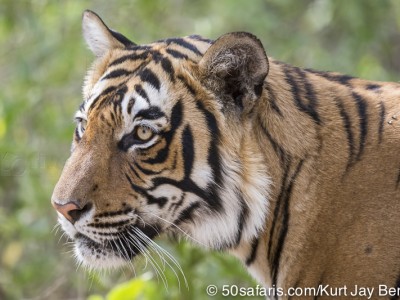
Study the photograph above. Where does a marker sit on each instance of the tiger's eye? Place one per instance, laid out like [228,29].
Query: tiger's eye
[144,133]
[83,125]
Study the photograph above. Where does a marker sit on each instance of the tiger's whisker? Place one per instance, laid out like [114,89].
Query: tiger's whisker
[155,246]
[177,227]
[145,252]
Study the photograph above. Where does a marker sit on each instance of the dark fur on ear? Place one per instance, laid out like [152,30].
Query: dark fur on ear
[235,67]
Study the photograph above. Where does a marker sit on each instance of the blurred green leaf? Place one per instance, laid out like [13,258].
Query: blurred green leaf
[138,288]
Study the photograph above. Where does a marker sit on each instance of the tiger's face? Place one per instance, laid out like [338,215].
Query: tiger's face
[156,148]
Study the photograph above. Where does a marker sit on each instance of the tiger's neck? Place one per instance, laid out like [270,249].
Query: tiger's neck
[287,138]
[289,124]
[301,119]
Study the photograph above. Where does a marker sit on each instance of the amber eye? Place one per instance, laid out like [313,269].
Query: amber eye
[144,133]
[81,126]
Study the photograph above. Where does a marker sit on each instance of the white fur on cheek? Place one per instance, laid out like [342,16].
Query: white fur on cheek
[218,229]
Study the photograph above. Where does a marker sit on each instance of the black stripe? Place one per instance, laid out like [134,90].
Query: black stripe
[168,68]
[174,206]
[285,223]
[156,55]
[117,73]
[186,185]
[338,78]
[131,103]
[242,218]
[130,57]
[176,115]
[213,158]
[104,233]
[280,152]
[310,107]
[151,171]
[148,171]
[119,95]
[362,113]
[382,116]
[184,44]
[177,54]
[349,133]
[278,207]
[254,246]
[175,122]
[373,87]
[113,117]
[188,153]
[107,91]
[135,187]
[121,38]
[187,213]
[139,89]
[140,47]
[210,195]
[200,38]
[272,100]
[398,180]
[397,296]
[109,224]
[161,201]
[151,113]
[187,85]
[127,141]
[135,172]
[146,75]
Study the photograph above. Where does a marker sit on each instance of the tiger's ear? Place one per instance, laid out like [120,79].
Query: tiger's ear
[236,66]
[99,37]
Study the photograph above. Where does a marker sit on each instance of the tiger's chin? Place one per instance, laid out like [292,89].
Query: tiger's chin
[99,256]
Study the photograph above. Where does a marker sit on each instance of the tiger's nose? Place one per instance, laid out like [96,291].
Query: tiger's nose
[71,210]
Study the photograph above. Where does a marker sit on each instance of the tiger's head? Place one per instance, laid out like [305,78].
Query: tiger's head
[164,143]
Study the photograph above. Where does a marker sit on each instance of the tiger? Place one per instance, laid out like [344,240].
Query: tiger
[295,172]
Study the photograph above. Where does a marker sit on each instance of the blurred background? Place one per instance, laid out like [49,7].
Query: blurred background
[42,63]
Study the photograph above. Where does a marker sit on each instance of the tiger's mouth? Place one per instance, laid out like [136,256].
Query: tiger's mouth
[116,251]
[119,247]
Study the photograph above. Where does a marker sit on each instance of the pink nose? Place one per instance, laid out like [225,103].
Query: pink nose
[71,211]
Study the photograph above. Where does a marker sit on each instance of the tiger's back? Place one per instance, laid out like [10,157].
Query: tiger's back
[296,172]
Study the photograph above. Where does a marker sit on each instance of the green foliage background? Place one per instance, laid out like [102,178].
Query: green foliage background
[42,63]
